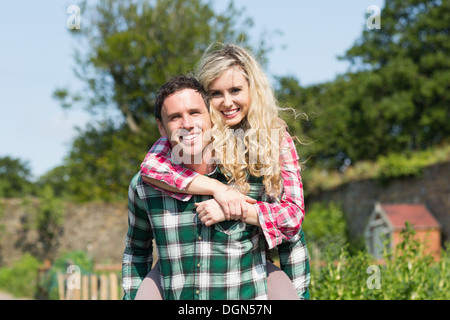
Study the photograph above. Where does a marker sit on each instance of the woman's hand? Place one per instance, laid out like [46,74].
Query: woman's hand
[233,203]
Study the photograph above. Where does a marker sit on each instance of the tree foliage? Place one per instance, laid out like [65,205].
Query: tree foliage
[395,96]
[14,177]
[135,46]
[132,48]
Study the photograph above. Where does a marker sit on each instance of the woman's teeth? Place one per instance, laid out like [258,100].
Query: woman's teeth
[230,112]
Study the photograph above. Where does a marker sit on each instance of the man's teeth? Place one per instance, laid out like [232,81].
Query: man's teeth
[190,137]
[230,112]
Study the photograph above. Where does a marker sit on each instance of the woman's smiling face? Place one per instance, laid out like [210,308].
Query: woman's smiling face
[230,96]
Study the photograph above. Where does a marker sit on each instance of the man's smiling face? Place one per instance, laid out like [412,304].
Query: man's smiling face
[185,121]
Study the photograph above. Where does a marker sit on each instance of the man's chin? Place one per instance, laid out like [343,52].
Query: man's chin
[192,154]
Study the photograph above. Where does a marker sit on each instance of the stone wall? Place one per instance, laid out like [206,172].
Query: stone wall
[358,198]
[98,229]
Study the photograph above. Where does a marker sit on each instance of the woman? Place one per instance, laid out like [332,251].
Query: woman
[249,139]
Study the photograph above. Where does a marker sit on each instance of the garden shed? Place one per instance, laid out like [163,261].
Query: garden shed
[388,220]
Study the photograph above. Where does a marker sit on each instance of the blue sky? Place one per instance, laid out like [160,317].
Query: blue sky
[36,56]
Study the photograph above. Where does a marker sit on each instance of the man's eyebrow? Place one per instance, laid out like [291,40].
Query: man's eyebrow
[169,115]
[189,109]
[195,108]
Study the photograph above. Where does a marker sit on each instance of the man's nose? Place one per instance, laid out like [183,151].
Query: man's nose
[188,122]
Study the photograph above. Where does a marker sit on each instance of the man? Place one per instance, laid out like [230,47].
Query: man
[201,256]
[223,261]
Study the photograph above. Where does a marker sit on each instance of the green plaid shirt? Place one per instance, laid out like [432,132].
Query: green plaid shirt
[226,261]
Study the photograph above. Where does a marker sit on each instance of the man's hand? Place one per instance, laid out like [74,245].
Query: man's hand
[210,212]
[233,203]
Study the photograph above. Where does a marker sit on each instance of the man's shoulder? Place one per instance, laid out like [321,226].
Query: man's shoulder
[141,188]
[135,179]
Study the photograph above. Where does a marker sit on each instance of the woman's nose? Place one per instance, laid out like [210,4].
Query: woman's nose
[227,100]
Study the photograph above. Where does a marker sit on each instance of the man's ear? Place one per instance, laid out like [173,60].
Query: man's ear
[161,129]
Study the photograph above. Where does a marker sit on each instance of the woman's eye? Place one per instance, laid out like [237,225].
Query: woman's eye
[215,94]
[235,90]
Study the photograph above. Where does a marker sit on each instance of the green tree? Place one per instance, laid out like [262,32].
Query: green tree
[395,96]
[410,72]
[58,179]
[14,177]
[102,161]
[132,48]
[45,214]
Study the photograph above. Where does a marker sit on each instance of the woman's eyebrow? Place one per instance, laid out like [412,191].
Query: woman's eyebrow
[231,87]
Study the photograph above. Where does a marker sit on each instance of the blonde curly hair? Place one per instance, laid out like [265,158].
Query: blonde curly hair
[253,146]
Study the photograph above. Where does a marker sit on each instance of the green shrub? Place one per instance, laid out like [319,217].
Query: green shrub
[325,226]
[402,165]
[405,274]
[21,279]
[385,168]
[325,219]
[78,258]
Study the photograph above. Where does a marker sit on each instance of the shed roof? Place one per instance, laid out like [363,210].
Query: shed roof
[416,214]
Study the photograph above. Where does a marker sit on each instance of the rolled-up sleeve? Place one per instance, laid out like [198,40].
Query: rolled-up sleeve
[282,220]
[158,165]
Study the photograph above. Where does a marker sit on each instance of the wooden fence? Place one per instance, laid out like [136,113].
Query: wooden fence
[103,286]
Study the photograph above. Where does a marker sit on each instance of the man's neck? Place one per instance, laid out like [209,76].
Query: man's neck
[206,166]
[203,168]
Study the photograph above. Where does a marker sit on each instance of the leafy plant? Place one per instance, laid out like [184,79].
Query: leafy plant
[132,48]
[45,214]
[405,273]
[21,278]
[15,178]
[325,227]
[78,258]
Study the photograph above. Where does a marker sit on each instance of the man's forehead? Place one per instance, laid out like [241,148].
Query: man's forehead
[183,100]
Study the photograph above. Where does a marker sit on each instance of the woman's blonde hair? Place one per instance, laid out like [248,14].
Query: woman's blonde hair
[253,146]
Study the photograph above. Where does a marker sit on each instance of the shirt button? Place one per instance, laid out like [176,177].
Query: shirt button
[197,292]
[200,238]
[198,265]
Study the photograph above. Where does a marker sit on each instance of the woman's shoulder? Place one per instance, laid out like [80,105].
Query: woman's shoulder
[286,139]
[288,146]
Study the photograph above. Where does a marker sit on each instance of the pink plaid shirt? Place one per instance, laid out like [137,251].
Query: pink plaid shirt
[279,221]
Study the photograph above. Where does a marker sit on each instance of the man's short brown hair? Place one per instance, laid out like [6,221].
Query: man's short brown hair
[176,84]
